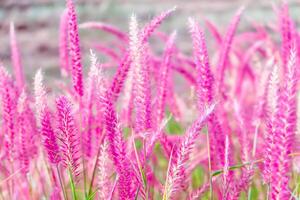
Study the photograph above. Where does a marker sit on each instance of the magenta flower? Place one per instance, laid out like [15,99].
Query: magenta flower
[8,112]
[104,170]
[74,50]
[68,135]
[23,131]
[205,87]
[225,49]
[16,59]
[284,132]
[178,163]
[164,79]
[50,138]
[118,151]
[205,93]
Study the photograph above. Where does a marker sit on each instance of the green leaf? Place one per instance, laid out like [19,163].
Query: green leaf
[197,177]
[138,144]
[173,127]
[92,195]
[126,132]
[254,193]
[215,173]
[205,196]
[72,186]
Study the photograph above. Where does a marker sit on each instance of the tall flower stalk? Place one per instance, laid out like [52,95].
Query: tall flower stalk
[284,131]
[68,136]
[16,59]
[178,164]
[74,51]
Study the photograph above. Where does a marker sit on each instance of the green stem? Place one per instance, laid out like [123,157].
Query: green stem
[82,144]
[268,191]
[95,166]
[61,184]
[94,172]
[72,186]
[209,168]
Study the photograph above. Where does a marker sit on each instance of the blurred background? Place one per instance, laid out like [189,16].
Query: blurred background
[37,23]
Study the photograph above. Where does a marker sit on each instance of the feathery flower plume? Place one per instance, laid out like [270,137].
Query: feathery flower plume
[67,135]
[94,86]
[39,94]
[16,59]
[8,111]
[44,118]
[154,23]
[205,92]
[105,27]
[243,134]
[23,131]
[120,77]
[135,55]
[117,147]
[287,31]
[226,46]
[178,165]
[50,138]
[164,78]
[285,127]
[124,68]
[141,86]
[63,44]
[205,78]
[74,49]
[272,101]
[198,193]
[104,171]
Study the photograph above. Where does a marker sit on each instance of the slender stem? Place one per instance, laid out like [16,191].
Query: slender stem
[72,185]
[49,171]
[94,172]
[12,179]
[253,154]
[82,145]
[249,193]
[84,175]
[28,180]
[268,191]
[113,189]
[61,184]
[209,166]
[233,167]
[40,181]
[95,166]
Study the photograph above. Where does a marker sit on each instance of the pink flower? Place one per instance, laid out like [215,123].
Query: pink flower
[68,135]
[16,59]
[74,45]
[118,151]
[178,163]
[164,78]
[8,103]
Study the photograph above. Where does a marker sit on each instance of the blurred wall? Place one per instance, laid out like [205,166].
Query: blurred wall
[37,22]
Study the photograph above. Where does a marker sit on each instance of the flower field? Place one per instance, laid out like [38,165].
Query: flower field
[144,119]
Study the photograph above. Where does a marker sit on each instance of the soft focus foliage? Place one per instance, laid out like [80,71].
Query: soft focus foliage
[218,122]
